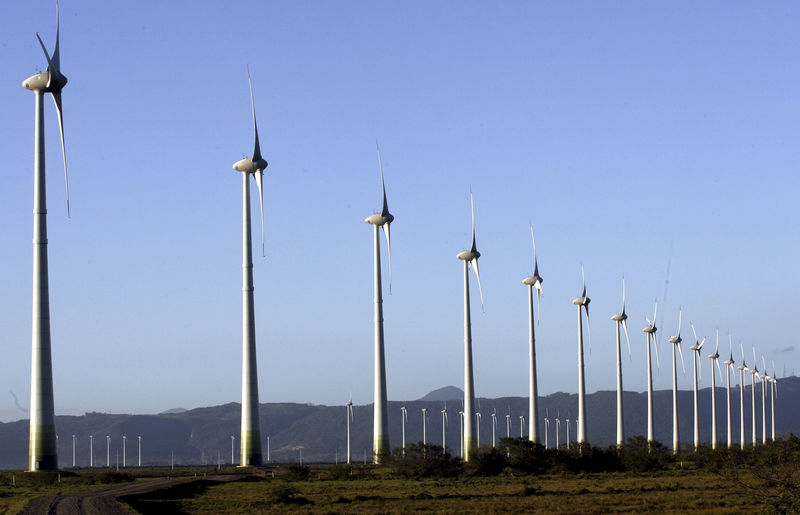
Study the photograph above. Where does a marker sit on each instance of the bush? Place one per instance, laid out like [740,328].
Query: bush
[422,460]
[281,493]
[489,462]
[339,472]
[636,454]
[297,472]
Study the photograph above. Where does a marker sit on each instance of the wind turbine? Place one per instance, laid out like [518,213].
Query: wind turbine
[728,366]
[404,418]
[424,426]
[250,441]
[469,257]
[494,428]
[558,428]
[620,319]
[650,331]
[773,394]
[696,354]
[444,429]
[42,453]
[582,302]
[546,428]
[461,431]
[508,425]
[676,343]
[742,369]
[349,417]
[765,378]
[478,427]
[753,375]
[568,430]
[714,359]
[380,438]
[533,281]
[522,426]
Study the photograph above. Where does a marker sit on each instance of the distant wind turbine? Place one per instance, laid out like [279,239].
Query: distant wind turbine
[696,354]
[729,363]
[522,426]
[676,343]
[742,369]
[478,428]
[714,360]
[533,281]
[546,428]
[380,438]
[558,428]
[764,380]
[250,440]
[424,426]
[650,331]
[349,418]
[773,394]
[582,302]
[444,429]
[469,257]
[42,451]
[620,319]
[753,376]
[404,419]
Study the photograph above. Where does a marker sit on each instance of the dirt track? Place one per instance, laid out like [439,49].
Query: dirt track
[104,502]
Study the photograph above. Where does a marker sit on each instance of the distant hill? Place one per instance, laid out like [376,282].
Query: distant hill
[173,411]
[201,435]
[448,393]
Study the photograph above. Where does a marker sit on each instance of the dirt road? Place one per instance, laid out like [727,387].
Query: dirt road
[104,502]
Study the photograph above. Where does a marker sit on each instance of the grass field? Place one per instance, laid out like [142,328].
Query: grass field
[674,491]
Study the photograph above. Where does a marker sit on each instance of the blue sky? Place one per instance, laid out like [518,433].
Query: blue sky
[631,134]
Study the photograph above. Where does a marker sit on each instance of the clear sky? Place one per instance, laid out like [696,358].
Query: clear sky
[631,134]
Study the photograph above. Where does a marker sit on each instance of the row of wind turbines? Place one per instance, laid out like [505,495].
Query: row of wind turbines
[42,449]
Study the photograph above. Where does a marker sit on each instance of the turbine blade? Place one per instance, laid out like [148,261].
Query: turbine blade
[588,327]
[583,278]
[696,339]
[56,53]
[683,365]
[680,319]
[627,338]
[623,294]
[385,209]
[700,368]
[472,208]
[655,346]
[716,349]
[257,148]
[655,313]
[474,263]
[387,232]
[719,368]
[51,68]
[259,175]
[701,343]
[57,101]
[741,348]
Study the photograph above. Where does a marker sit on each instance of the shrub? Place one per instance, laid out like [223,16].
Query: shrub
[638,455]
[298,472]
[422,460]
[487,462]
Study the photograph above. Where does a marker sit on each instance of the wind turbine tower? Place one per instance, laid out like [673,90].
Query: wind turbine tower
[714,359]
[650,331]
[349,417]
[728,366]
[696,354]
[533,281]
[582,302]
[620,319]
[676,343]
[742,369]
[765,378]
[444,429]
[404,419]
[424,426]
[753,375]
[250,440]
[42,453]
[380,432]
[469,257]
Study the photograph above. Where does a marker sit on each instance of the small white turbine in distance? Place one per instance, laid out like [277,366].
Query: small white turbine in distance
[582,302]
[742,369]
[444,429]
[676,343]
[349,417]
[494,428]
[533,281]
[650,331]
[753,376]
[773,394]
[424,426]
[765,378]
[404,419]
[620,319]
[728,366]
[546,428]
[696,354]
[250,441]
[380,437]
[714,357]
[469,257]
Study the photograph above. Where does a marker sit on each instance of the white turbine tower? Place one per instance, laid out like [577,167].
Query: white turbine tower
[651,333]
[753,376]
[620,319]
[42,453]
[478,429]
[773,394]
[469,257]
[742,369]
[558,428]
[380,431]
[404,419]
[765,378]
[729,363]
[714,359]
[424,426]
[461,432]
[494,428]
[349,418]
[676,343]
[546,428]
[696,354]
[444,429]
[522,426]
[250,440]
[582,302]
[533,281]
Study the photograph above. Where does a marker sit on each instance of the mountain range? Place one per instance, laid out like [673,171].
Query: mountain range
[318,434]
